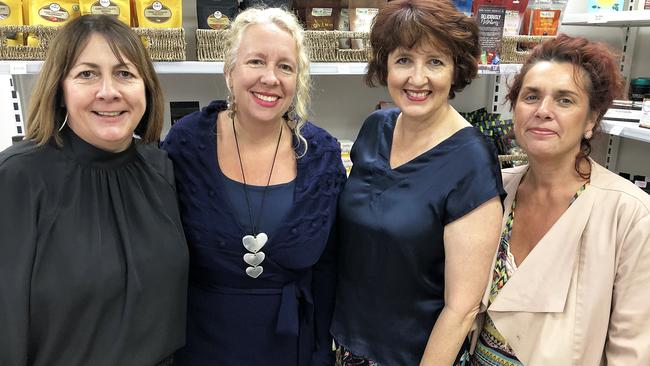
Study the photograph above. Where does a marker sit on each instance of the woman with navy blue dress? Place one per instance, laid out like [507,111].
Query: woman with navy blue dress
[419,215]
[258,186]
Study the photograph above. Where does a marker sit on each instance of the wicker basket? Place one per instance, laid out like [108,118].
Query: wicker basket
[510,53]
[323,46]
[20,52]
[210,45]
[519,159]
[162,44]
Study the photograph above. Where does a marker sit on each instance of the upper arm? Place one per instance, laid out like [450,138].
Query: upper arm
[17,250]
[470,244]
[628,338]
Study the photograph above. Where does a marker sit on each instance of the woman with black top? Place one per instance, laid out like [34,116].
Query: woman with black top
[93,260]
[419,215]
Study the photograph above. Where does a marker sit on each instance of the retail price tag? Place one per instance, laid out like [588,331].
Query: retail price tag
[17,68]
[616,130]
[344,69]
[597,18]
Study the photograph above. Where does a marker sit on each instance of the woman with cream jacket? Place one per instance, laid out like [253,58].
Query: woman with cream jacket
[571,279]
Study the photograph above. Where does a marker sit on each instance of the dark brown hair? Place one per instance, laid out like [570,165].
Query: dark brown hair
[410,23]
[595,70]
[47,110]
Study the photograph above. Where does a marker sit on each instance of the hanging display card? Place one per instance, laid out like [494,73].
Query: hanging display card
[490,21]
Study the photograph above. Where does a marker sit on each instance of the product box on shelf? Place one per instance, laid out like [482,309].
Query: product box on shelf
[605,5]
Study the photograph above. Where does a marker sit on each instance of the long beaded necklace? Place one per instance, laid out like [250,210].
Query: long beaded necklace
[255,241]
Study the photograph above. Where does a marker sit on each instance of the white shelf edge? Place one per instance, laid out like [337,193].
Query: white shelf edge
[629,130]
[631,18]
[210,68]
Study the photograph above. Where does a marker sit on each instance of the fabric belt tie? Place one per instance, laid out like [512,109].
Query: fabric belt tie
[289,312]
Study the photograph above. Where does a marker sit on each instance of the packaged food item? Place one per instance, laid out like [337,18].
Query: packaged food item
[216,14]
[286,4]
[11,13]
[51,13]
[121,9]
[159,13]
[605,5]
[318,14]
[362,13]
[465,6]
[541,22]
[344,25]
[515,5]
[639,89]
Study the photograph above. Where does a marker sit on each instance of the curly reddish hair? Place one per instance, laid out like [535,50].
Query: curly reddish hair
[596,71]
[410,23]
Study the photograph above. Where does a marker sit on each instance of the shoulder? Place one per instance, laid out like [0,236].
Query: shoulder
[25,155]
[619,190]
[473,142]
[28,163]
[510,174]
[379,118]
[318,137]
[156,159]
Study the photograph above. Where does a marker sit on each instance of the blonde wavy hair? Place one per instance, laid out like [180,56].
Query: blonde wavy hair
[288,22]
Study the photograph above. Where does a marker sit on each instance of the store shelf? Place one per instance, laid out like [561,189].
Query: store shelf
[632,18]
[629,130]
[198,67]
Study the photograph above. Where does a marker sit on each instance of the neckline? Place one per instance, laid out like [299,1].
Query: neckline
[389,128]
[254,187]
[87,154]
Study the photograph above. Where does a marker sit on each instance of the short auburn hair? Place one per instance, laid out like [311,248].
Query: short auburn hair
[596,70]
[411,23]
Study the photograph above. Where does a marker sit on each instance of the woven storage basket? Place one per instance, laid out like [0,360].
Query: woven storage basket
[323,46]
[210,44]
[162,44]
[19,52]
[509,52]
[518,159]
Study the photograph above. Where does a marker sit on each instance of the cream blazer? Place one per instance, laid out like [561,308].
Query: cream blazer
[582,295]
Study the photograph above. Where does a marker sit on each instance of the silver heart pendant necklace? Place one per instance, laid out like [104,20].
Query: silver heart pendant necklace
[255,241]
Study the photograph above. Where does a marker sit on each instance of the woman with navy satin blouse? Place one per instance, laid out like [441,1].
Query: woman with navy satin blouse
[258,186]
[420,213]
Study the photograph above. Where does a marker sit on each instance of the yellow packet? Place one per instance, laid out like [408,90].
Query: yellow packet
[159,14]
[49,13]
[11,13]
[121,9]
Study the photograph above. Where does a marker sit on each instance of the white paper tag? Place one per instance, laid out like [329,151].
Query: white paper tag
[616,130]
[596,18]
[17,68]
[344,69]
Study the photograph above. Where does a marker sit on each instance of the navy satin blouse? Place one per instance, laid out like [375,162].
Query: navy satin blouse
[391,224]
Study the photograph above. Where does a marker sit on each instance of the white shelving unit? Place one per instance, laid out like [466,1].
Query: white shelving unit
[630,18]
[627,145]
[628,130]
[216,68]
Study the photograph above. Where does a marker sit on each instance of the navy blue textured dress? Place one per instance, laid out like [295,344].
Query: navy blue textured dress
[391,224]
[283,316]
